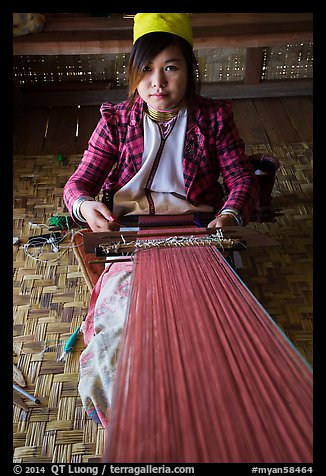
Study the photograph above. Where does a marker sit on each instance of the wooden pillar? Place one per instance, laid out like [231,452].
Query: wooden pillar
[18,105]
[254,62]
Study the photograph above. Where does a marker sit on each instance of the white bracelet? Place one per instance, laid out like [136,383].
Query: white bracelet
[232,212]
[76,207]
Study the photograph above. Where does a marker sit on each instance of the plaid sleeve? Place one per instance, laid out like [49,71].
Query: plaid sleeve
[236,169]
[96,163]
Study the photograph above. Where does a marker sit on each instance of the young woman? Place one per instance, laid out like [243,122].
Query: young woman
[163,150]
[160,152]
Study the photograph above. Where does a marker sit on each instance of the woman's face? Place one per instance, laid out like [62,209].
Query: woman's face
[164,79]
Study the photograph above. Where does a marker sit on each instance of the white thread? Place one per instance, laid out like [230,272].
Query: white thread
[217,240]
[39,245]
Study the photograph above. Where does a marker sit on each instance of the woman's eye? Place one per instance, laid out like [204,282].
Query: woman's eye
[170,67]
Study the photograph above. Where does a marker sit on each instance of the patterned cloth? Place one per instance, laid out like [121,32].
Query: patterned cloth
[212,148]
[25,23]
[102,333]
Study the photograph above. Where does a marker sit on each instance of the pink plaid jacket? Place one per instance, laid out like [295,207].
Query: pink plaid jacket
[212,148]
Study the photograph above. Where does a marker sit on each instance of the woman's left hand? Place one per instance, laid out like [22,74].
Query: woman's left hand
[222,221]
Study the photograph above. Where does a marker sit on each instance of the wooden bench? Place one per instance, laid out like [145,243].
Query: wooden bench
[81,34]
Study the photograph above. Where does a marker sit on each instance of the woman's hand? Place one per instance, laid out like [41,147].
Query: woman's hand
[221,221]
[98,216]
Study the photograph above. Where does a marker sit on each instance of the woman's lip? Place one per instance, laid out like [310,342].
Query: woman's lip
[159,95]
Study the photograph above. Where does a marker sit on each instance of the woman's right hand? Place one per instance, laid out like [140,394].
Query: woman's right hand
[98,216]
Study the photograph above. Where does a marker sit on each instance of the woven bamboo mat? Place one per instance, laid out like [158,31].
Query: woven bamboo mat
[51,299]
[281,277]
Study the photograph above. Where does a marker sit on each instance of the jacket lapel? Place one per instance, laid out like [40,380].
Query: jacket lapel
[193,150]
[135,135]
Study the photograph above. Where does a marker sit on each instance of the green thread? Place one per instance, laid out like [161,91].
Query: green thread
[59,221]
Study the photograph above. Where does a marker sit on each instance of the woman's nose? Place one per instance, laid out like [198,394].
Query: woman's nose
[158,80]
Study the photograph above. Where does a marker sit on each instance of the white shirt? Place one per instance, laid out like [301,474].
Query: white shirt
[161,174]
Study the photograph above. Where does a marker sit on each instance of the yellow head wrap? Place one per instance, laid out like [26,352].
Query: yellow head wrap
[176,23]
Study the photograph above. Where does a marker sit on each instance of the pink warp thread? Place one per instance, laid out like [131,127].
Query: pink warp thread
[204,374]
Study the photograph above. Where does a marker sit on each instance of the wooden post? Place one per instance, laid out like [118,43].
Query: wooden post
[254,62]
[18,105]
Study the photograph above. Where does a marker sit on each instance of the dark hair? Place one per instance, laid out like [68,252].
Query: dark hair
[150,45]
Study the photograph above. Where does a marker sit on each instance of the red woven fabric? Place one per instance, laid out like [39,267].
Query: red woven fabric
[204,374]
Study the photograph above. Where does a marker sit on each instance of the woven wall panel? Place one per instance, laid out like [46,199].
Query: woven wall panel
[215,64]
[288,62]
